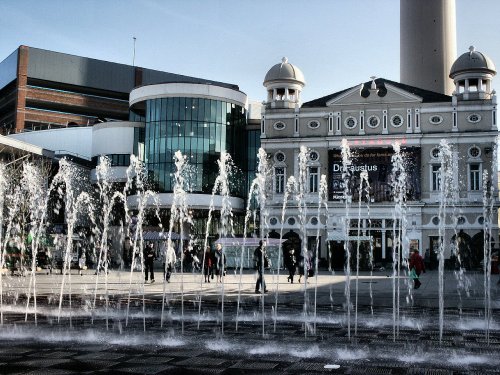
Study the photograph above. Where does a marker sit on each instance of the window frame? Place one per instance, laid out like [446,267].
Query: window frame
[313,179]
[474,177]
[279,183]
[400,117]
[370,124]
[355,120]
[279,128]
[435,177]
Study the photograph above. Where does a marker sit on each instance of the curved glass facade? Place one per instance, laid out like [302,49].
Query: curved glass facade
[200,128]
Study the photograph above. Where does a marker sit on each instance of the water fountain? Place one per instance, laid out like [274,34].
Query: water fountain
[346,178]
[400,251]
[128,309]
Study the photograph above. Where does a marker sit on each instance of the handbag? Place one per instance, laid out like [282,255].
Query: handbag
[413,274]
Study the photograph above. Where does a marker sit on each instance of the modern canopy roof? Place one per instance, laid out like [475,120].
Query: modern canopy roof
[14,147]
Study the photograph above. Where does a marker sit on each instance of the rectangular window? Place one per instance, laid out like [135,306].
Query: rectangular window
[279,180]
[313,179]
[436,177]
[474,176]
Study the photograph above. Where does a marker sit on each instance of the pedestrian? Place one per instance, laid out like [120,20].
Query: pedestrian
[127,253]
[207,266]
[291,264]
[82,260]
[417,266]
[220,262]
[170,259]
[187,259]
[149,257]
[304,265]
[261,261]
[495,264]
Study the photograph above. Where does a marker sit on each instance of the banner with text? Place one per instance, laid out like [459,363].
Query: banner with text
[377,162]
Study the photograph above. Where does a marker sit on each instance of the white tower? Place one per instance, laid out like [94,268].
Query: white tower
[428,44]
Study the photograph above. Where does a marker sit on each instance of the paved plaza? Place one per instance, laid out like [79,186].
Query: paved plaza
[200,329]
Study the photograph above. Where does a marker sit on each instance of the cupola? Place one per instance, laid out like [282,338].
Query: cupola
[472,73]
[283,83]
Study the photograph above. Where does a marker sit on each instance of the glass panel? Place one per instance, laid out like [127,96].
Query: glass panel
[189,108]
[148,117]
[219,112]
[158,109]
[182,108]
[228,114]
[170,108]
[175,112]
[163,109]
[213,110]
[201,109]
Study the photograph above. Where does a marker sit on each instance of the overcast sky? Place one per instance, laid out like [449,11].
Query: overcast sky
[336,43]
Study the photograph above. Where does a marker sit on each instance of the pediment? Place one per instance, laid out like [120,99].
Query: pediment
[386,94]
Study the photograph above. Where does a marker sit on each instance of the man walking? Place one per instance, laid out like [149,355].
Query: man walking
[261,261]
[149,257]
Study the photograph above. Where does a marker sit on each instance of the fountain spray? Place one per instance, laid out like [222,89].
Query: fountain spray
[363,177]
[346,178]
[259,187]
[400,246]
[302,207]
[322,202]
[446,181]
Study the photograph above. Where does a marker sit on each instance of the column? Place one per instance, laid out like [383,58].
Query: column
[383,244]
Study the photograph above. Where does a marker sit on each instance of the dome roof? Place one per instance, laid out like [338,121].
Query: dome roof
[284,71]
[474,61]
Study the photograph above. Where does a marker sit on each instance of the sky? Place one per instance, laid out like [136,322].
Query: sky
[336,43]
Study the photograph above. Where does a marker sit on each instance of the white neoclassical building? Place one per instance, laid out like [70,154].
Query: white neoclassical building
[372,117]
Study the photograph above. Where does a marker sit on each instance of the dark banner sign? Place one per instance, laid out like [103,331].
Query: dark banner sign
[377,162]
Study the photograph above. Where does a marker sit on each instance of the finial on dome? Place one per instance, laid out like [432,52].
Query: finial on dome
[472,49]
[373,85]
[284,60]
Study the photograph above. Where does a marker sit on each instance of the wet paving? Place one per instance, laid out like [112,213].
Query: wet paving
[202,344]
[289,335]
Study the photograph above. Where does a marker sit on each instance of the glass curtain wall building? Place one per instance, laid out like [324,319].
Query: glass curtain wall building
[201,129]
[201,121]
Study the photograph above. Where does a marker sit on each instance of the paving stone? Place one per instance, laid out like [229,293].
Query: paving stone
[149,370]
[201,361]
[106,355]
[203,370]
[150,360]
[55,354]
[438,372]
[255,365]
[307,366]
[42,362]
[51,372]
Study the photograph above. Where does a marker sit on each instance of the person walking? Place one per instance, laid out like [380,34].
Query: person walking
[304,265]
[262,262]
[417,266]
[291,264]
[170,259]
[127,253]
[207,266]
[149,258]
[220,262]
